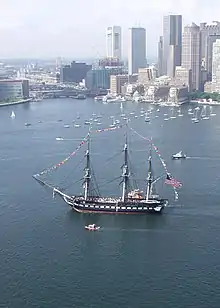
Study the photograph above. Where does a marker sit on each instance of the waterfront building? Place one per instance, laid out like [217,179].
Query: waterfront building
[208,87]
[136,50]
[13,89]
[146,74]
[116,83]
[183,76]
[75,72]
[172,44]
[113,42]
[191,54]
[216,66]
[207,30]
[100,78]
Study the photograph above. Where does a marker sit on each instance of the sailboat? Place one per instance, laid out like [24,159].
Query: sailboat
[180,113]
[211,113]
[12,115]
[147,118]
[195,116]
[114,123]
[130,202]
[204,115]
[172,114]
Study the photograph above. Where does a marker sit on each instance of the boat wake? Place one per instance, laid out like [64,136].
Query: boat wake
[203,157]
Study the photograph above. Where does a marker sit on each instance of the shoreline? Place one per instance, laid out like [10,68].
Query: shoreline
[23,101]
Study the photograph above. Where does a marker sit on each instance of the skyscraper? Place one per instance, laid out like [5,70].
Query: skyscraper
[205,31]
[113,42]
[191,53]
[160,57]
[172,43]
[136,50]
[210,40]
[216,66]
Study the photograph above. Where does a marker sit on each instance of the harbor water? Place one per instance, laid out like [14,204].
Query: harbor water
[47,257]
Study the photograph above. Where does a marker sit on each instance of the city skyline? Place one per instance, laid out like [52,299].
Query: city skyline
[27,30]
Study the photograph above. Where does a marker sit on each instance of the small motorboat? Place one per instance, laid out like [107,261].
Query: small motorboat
[92,227]
[179,155]
[27,124]
[66,126]
[59,138]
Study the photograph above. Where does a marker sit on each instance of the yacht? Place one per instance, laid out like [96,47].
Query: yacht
[179,155]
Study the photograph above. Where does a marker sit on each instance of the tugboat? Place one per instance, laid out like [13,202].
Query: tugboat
[92,227]
[179,155]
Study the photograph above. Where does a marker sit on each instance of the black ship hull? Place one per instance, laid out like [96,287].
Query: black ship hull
[115,206]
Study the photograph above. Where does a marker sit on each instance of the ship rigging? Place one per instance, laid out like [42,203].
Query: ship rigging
[131,201]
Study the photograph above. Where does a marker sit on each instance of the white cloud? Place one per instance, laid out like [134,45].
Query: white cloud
[77,28]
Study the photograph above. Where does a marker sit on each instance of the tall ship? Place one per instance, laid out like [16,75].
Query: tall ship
[130,202]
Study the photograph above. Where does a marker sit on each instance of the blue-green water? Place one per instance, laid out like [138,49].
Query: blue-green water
[47,259]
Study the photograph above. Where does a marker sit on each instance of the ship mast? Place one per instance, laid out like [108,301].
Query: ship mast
[149,176]
[125,173]
[87,175]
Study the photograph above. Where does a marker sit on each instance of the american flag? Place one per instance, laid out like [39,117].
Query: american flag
[173,182]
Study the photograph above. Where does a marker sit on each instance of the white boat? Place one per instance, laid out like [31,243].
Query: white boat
[92,227]
[59,138]
[87,123]
[204,115]
[109,98]
[81,96]
[66,126]
[147,118]
[27,124]
[211,113]
[172,113]
[114,122]
[12,115]
[195,115]
[77,125]
[98,98]
[179,155]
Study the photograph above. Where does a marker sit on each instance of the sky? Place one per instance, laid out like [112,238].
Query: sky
[76,29]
